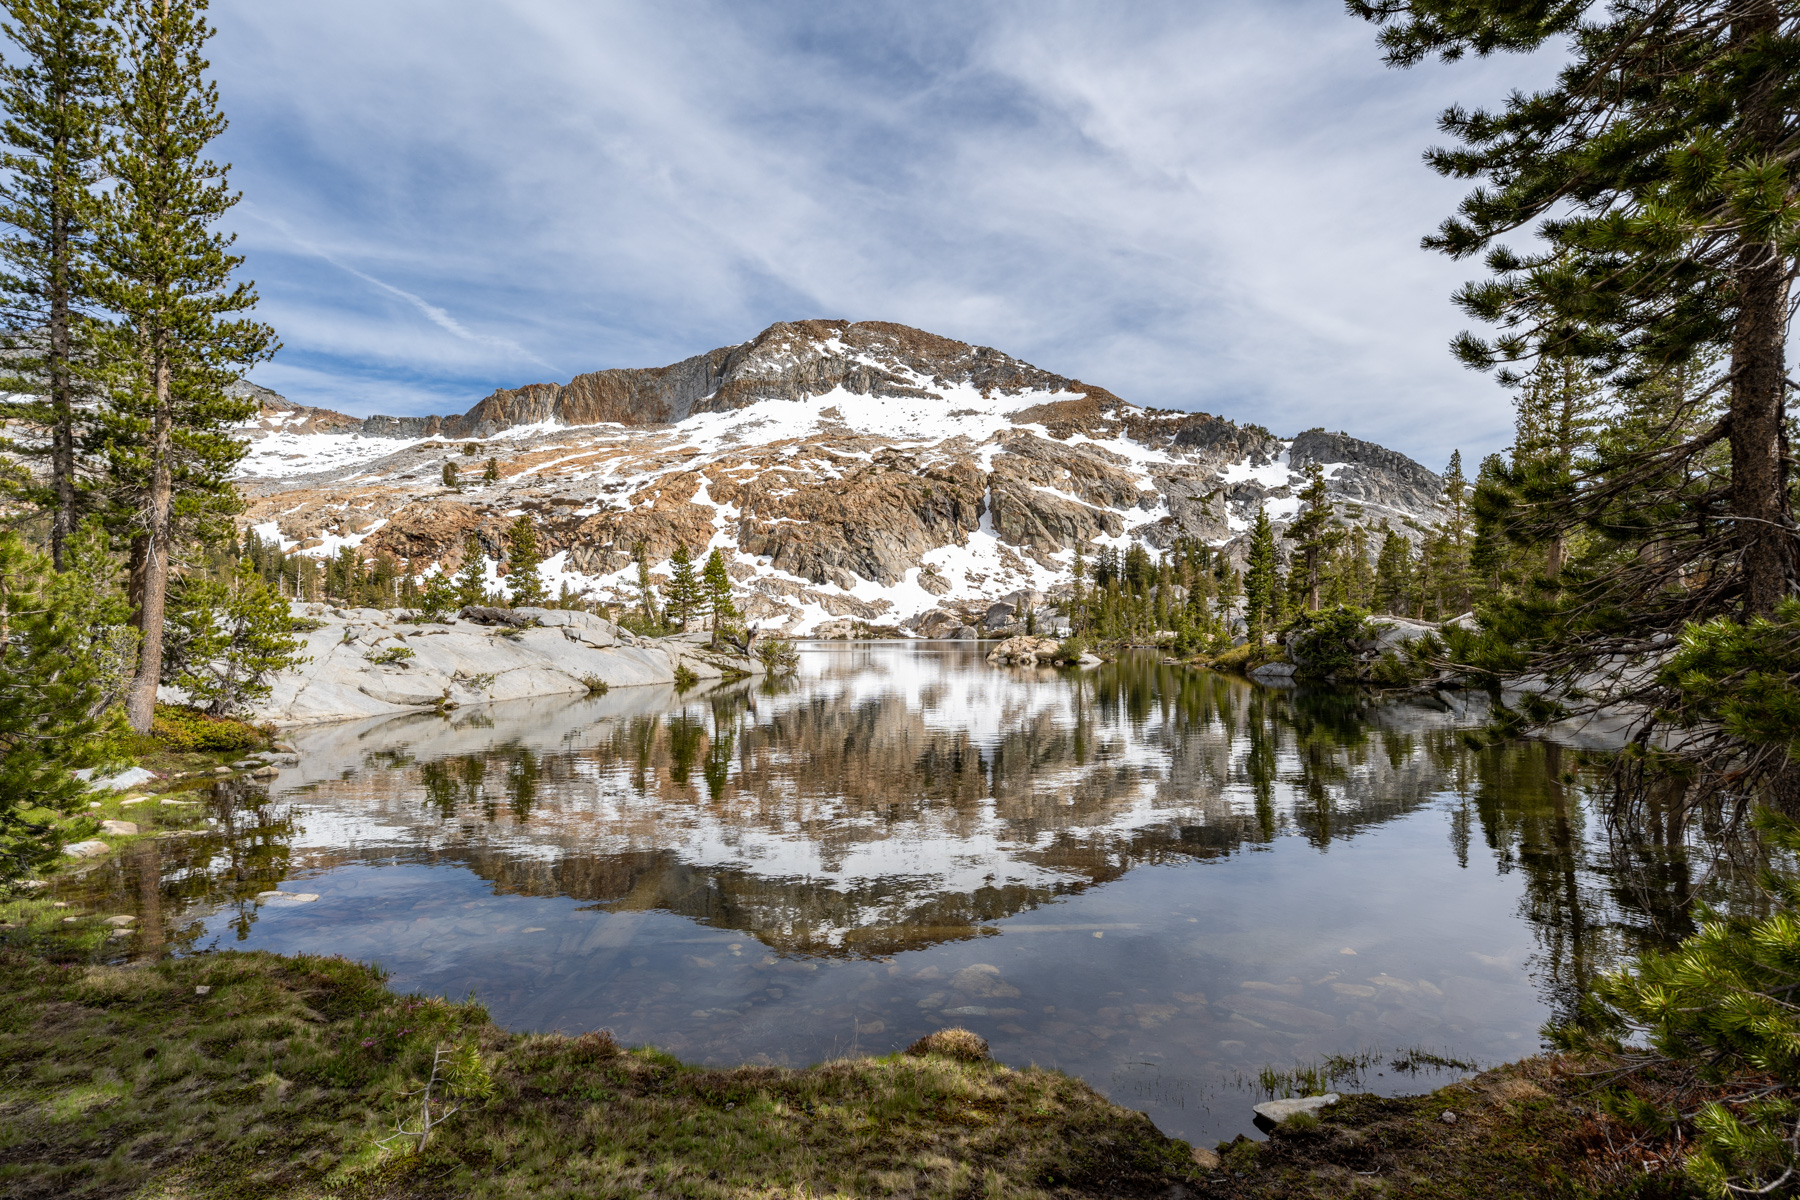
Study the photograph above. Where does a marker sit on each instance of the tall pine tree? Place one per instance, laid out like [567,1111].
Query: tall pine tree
[717,582]
[522,560]
[684,599]
[1313,536]
[1659,176]
[177,340]
[471,577]
[55,92]
[1394,574]
[1262,581]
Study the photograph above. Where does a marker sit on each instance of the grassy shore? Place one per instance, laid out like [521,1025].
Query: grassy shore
[254,1075]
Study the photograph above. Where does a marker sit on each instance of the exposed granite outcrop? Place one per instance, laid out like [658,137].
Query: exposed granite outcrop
[364,662]
[1373,474]
[994,470]
[786,361]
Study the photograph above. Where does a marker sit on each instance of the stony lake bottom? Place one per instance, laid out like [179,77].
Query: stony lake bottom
[1159,879]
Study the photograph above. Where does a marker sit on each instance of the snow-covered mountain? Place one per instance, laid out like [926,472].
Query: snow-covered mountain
[850,471]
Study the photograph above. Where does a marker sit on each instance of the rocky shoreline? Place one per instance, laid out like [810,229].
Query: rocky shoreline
[367,662]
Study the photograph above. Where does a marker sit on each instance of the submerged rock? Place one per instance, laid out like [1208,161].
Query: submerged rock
[116,783]
[289,897]
[1274,1112]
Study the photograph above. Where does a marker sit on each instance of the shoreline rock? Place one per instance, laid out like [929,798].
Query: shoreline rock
[365,662]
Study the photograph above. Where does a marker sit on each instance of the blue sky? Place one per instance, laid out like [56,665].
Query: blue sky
[1197,205]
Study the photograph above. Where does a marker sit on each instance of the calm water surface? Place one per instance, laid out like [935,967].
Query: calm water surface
[1158,879]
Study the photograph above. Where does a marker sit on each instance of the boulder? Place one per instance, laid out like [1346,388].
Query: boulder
[1391,633]
[1025,651]
[965,633]
[1272,671]
[134,777]
[87,849]
[935,624]
[119,828]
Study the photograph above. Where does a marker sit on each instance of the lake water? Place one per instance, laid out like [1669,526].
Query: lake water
[1159,879]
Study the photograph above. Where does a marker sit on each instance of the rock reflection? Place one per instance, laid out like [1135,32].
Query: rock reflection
[887,803]
[897,798]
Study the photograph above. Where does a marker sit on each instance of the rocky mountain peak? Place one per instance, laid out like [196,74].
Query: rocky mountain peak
[850,471]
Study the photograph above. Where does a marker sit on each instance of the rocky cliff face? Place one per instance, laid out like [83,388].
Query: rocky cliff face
[851,471]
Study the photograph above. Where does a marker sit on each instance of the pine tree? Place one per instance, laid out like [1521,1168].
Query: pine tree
[1553,421]
[1313,539]
[1393,574]
[491,473]
[1450,566]
[55,96]
[227,638]
[450,477]
[522,559]
[471,577]
[1661,153]
[1489,557]
[684,598]
[1262,581]
[167,277]
[439,597]
[717,582]
[63,669]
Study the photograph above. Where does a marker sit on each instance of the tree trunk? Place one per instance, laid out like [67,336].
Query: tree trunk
[1758,504]
[1765,532]
[151,557]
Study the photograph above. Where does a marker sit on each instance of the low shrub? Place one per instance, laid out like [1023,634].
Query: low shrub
[393,656]
[189,729]
[778,656]
[685,679]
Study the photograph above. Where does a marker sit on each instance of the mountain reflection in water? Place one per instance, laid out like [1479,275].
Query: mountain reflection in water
[1155,877]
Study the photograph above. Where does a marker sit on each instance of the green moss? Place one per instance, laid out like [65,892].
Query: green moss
[1530,1129]
[285,1079]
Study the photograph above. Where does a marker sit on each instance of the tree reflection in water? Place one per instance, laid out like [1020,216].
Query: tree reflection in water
[891,801]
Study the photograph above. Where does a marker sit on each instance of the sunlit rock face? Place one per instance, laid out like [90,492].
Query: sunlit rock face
[849,470]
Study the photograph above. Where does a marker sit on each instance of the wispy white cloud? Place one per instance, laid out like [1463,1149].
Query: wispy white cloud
[433,313]
[1196,206]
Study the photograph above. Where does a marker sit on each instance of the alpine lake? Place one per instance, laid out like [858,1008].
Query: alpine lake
[1177,885]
